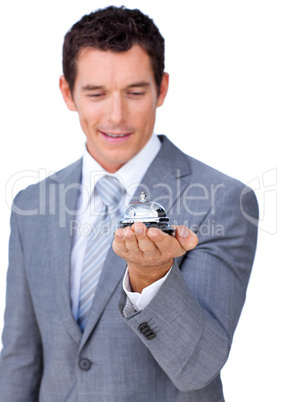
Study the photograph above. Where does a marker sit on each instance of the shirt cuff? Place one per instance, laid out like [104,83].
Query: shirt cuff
[138,301]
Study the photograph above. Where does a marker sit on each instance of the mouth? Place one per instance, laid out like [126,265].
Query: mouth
[115,137]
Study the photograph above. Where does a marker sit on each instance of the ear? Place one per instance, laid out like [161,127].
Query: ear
[65,89]
[163,89]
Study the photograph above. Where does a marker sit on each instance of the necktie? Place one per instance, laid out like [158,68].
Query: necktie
[111,191]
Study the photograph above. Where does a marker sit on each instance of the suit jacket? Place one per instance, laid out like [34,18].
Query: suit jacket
[45,356]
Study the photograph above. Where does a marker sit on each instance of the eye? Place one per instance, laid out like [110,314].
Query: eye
[96,95]
[136,93]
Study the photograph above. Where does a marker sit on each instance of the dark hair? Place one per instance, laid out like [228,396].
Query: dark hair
[116,29]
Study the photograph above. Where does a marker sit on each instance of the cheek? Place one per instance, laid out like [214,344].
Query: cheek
[88,116]
[148,120]
[146,115]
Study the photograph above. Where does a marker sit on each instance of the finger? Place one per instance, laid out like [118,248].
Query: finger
[131,242]
[186,237]
[165,243]
[119,240]
[145,243]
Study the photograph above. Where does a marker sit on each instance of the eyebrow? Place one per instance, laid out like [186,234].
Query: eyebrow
[92,87]
[141,84]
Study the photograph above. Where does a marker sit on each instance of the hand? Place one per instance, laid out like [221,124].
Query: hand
[150,252]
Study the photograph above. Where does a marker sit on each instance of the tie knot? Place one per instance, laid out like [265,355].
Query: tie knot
[110,190]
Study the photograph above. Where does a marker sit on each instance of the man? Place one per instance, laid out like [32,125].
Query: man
[156,320]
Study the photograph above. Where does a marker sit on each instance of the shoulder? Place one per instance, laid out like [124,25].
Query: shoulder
[198,171]
[202,182]
[33,195]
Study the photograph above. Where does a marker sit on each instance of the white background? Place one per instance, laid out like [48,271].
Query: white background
[223,107]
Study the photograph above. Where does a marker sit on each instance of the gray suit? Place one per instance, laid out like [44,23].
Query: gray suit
[45,357]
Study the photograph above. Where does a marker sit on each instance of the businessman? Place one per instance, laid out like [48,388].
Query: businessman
[141,315]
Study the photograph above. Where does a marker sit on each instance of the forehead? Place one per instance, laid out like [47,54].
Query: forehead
[108,66]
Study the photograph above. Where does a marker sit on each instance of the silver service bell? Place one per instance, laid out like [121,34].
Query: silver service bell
[152,214]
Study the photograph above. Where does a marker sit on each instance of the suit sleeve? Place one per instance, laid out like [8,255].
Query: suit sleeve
[21,356]
[194,314]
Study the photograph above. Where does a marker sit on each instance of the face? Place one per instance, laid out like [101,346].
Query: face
[116,98]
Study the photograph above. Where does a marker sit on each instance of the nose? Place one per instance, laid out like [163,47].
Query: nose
[116,110]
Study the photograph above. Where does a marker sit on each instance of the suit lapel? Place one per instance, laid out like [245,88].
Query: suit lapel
[111,277]
[167,177]
[64,189]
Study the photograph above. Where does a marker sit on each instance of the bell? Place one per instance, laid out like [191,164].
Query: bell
[152,214]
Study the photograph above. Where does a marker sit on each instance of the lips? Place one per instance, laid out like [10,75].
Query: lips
[115,137]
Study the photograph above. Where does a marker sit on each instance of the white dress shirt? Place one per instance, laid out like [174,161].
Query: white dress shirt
[138,301]
[88,208]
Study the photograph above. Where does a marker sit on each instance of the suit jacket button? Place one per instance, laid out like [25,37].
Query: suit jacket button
[143,326]
[145,329]
[150,336]
[84,364]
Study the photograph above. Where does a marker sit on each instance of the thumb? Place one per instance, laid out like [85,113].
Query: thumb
[186,237]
